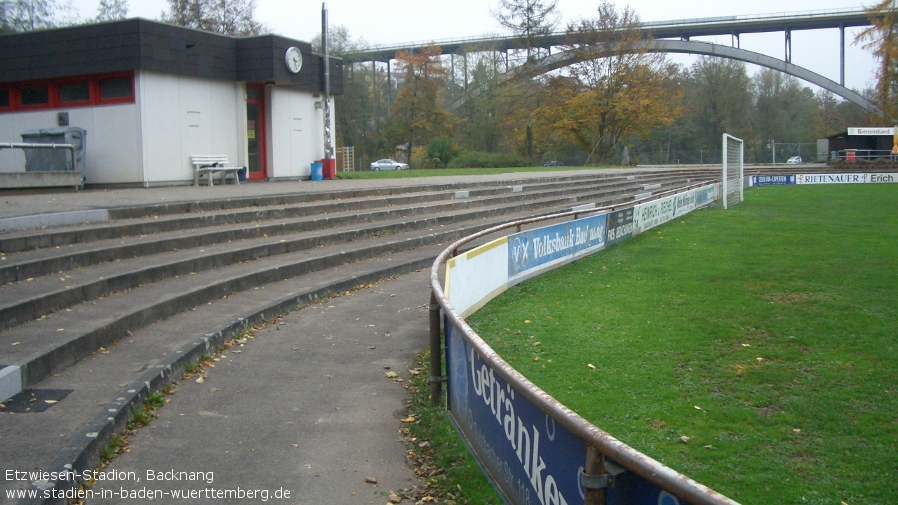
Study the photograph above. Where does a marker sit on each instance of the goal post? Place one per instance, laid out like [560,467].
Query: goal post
[733,167]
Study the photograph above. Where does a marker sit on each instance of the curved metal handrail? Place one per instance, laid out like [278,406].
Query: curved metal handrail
[622,454]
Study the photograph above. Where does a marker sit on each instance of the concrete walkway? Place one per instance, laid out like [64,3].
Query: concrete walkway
[305,408]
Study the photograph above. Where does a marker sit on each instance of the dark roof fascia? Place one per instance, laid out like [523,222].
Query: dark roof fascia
[141,44]
[70,51]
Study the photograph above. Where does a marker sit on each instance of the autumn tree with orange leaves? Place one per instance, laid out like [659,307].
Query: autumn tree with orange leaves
[417,116]
[882,40]
[617,91]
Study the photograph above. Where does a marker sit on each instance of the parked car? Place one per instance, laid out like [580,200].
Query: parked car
[552,164]
[388,164]
[795,160]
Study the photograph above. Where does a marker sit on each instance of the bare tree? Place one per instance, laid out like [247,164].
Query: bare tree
[27,15]
[228,17]
[528,19]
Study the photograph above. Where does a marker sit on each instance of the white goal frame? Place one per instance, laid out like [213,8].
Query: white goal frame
[739,169]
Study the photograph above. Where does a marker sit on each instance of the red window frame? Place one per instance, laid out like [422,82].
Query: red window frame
[36,84]
[109,77]
[73,103]
[10,92]
[55,100]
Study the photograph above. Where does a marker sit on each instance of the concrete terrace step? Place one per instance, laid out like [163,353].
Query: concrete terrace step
[21,266]
[148,220]
[46,346]
[78,333]
[162,308]
[105,384]
[54,262]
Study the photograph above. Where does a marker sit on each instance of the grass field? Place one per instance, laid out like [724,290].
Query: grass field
[766,334]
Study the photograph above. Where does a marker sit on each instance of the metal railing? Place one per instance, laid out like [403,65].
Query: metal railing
[866,155]
[600,444]
[73,151]
[494,38]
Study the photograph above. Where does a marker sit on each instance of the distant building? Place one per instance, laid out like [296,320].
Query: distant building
[867,142]
[150,95]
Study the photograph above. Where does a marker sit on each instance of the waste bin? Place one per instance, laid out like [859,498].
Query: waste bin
[317,172]
[850,155]
[55,160]
[329,167]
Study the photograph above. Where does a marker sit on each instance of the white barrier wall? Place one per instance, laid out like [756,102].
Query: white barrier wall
[530,457]
[481,274]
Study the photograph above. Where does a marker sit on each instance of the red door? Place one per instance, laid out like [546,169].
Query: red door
[255,131]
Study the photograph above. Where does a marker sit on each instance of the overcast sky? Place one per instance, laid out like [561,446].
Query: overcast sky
[396,21]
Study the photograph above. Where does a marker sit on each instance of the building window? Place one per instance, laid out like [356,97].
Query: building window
[31,96]
[103,89]
[74,92]
[116,88]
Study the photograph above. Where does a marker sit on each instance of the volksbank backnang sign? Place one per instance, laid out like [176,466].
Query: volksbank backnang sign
[533,251]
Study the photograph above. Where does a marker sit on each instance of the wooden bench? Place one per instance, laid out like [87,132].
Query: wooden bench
[211,164]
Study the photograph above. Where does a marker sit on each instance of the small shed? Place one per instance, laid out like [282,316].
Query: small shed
[868,142]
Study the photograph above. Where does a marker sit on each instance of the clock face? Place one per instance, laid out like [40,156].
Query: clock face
[293,59]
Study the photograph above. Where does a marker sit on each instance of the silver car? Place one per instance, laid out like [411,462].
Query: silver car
[388,164]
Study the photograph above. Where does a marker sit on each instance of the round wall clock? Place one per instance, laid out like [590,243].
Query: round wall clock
[293,59]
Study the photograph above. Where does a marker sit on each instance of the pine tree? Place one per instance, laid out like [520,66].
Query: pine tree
[528,19]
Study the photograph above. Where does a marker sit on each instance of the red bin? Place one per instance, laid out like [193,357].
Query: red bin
[329,166]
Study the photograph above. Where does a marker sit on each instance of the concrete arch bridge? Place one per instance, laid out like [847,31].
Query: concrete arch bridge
[671,37]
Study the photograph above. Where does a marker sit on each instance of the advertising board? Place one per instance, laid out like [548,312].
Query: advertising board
[533,251]
[529,458]
[772,180]
[862,178]
[620,226]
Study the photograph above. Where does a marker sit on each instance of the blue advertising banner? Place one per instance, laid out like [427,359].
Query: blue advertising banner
[772,180]
[529,458]
[532,251]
